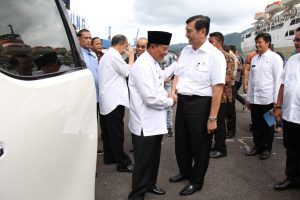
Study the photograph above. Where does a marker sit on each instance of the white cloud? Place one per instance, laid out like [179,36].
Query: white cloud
[127,16]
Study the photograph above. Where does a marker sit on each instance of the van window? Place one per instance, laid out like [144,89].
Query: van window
[292,32]
[33,39]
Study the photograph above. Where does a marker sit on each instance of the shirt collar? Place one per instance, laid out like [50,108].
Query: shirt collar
[204,47]
[85,50]
[89,52]
[114,51]
[150,58]
[266,53]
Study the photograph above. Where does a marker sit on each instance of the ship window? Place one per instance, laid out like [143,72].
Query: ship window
[248,35]
[291,32]
[33,44]
[292,22]
[297,20]
[286,34]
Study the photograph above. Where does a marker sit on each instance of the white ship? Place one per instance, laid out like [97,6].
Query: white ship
[280,20]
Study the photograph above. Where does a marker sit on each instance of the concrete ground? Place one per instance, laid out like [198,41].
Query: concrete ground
[235,177]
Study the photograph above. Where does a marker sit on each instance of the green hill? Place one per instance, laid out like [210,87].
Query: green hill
[233,39]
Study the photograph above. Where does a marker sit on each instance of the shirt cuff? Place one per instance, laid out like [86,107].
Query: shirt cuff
[170,102]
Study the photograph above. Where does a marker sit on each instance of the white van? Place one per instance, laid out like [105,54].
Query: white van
[48,124]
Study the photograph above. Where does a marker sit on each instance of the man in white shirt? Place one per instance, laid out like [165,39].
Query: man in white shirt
[141,46]
[199,78]
[113,98]
[264,82]
[288,101]
[148,113]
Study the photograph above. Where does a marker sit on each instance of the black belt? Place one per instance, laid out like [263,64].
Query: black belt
[193,96]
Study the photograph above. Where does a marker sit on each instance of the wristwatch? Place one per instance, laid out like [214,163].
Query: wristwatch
[212,119]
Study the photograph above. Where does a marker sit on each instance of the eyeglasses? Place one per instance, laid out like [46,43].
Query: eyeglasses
[141,46]
[296,40]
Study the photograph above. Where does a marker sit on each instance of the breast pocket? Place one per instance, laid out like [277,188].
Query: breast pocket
[201,74]
[202,64]
[202,68]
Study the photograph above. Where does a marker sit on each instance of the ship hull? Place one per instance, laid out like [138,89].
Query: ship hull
[282,30]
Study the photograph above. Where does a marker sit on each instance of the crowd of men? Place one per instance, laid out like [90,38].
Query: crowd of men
[205,81]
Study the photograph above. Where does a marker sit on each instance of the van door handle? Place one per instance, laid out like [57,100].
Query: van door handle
[1,149]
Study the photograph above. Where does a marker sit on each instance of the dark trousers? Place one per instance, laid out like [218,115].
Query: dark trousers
[192,142]
[220,133]
[113,137]
[237,85]
[146,158]
[231,115]
[263,135]
[291,139]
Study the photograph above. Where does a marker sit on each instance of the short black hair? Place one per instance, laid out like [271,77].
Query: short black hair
[81,31]
[219,36]
[265,36]
[226,48]
[118,39]
[201,22]
[95,38]
[232,48]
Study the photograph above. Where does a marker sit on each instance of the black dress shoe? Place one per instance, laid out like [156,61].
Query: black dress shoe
[217,154]
[265,155]
[253,152]
[285,185]
[129,168]
[154,190]
[100,152]
[177,178]
[188,190]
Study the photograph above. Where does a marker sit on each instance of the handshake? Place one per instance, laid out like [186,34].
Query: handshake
[173,96]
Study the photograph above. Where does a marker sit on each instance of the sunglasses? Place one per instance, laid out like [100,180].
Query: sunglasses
[296,40]
[141,46]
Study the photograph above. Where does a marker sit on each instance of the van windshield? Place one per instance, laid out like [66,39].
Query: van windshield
[33,40]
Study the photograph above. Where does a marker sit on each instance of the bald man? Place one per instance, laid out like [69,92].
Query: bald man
[141,46]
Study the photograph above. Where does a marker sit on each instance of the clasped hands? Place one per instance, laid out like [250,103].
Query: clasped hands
[174,96]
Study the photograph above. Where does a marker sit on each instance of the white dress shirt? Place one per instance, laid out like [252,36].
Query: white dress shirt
[291,98]
[148,98]
[113,90]
[198,70]
[264,78]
